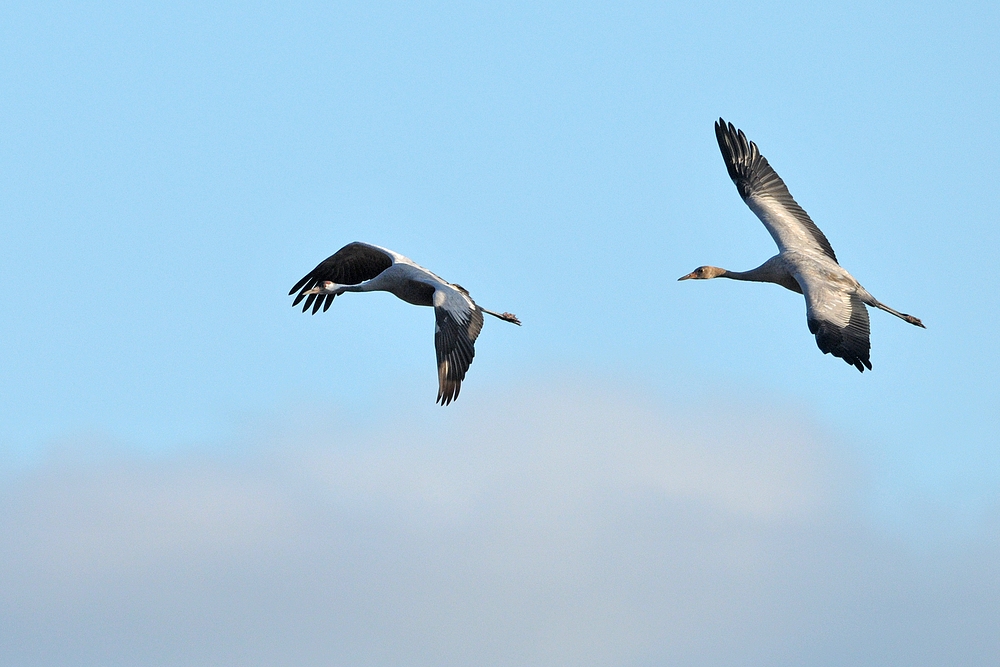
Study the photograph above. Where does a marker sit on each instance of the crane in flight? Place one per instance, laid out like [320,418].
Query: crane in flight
[805,263]
[360,267]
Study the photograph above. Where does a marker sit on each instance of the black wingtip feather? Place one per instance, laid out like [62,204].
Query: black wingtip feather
[448,393]
[739,153]
[726,146]
[309,301]
[849,343]
[301,295]
[319,303]
[299,285]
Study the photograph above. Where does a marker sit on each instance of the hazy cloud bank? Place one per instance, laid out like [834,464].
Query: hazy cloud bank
[556,527]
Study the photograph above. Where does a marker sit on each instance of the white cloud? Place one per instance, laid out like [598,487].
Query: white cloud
[558,526]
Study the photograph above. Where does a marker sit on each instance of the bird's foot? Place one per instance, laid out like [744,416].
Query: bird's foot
[915,321]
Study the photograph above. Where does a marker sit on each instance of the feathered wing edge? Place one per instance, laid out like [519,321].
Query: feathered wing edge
[851,343]
[754,177]
[351,265]
[454,342]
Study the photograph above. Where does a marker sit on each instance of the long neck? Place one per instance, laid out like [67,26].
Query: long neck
[764,273]
[753,275]
[367,286]
[771,271]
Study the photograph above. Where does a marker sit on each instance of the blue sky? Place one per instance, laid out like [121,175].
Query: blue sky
[167,172]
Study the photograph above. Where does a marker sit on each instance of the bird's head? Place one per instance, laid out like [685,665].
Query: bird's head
[703,273]
[323,287]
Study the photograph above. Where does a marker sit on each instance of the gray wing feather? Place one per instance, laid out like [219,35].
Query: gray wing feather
[839,320]
[454,342]
[766,194]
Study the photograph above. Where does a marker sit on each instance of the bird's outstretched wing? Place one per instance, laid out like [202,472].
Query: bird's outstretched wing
[458,323]
[766,194]
[351,265]
[839,321]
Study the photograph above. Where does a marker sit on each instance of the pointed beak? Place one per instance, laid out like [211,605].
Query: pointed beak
[687,277]
[314,290]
